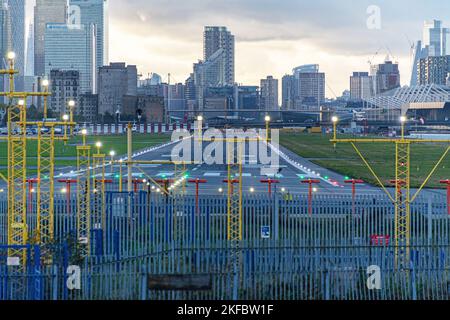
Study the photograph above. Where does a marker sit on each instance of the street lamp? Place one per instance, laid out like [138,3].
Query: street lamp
[84,134]
[98,145]
[21,102]
[11,56]
[65,117]
[200,127]
[403,120]
[112,153]
[267,120]
[45,83]
[335,121]
[71,105]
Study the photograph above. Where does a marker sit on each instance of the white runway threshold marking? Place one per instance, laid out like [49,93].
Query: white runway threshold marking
[212,174]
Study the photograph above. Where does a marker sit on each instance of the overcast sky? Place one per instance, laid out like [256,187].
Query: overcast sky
[272,36]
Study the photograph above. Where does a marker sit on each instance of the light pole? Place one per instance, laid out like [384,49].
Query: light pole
[83,135]
[71,105]
[197,182]
[98,145]
[112,153]
[354,182]
[120,175]
[310,183]
[45,84]
[11,56]
[267,120]
[447,182]
[200,127]
[403,120]
[270,182]
[65,118]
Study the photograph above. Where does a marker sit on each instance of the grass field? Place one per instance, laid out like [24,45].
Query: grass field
[344,160]
[65,155]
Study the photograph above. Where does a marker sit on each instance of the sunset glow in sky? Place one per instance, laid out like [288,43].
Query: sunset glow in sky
[272,36]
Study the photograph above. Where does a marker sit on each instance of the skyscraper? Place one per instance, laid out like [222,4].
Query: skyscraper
[29,52]
[45,11]
[94,12]
[269,93]
[288,92]
[435,43]
[17,24]
[386,76]
[361,86]
[219,38]
[5,43]
[310,85]
[433,70]
[68,48]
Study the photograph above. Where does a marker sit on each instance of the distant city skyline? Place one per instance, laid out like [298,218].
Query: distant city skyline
[271,37]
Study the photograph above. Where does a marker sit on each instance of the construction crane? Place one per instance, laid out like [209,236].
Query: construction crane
[403,198]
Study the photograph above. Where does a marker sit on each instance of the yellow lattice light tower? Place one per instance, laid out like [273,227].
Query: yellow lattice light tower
[402,200]
[17,171]
[99,191]
[46,185]
[83,195]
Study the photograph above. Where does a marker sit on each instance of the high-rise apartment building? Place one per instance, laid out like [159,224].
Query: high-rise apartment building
[68,48]
[310,85]
[269,93]
[304,88]
[433,70]
[93,12]
[64,86]
[219,38]
[386,76]
[288,92]
[435,43]
[361,86]
[45,12]
[114,82]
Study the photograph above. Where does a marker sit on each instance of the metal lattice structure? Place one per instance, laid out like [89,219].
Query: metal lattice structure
[46,186]
[17,175]
[83,197]
[98,183]
[234,211]
[403,199]
[402,203]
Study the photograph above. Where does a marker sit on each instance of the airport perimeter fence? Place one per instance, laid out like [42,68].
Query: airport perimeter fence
[286,252]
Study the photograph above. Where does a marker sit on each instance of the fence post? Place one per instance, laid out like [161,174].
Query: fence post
[276,216]
[54,272]
[327,285]
[143,284]
[413,281]
[430,221]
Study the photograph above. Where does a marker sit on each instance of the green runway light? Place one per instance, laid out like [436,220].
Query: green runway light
[326,177]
